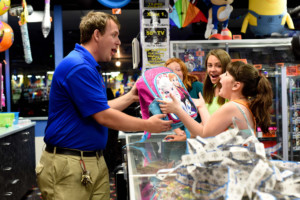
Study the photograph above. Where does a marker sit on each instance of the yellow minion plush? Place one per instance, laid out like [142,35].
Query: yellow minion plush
[267,17]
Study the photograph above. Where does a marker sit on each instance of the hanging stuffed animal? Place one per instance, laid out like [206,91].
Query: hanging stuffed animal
[218,13]
[266,18]
[22,12]
[46,23]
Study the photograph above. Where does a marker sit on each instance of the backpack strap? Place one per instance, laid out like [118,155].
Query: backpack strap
[188,135]
[143,139]
[146,82]
[244,114]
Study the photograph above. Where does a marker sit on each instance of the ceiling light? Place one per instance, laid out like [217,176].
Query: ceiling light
[118,63]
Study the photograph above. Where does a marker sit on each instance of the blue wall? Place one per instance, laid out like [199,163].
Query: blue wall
[40,127]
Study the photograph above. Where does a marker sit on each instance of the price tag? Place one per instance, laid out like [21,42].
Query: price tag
[258,66]
[280,64]
[237,37]
[291,70]
[243,60]
[200,53]
[116,11]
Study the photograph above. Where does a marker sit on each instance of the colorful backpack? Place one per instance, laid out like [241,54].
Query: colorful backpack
[157,84]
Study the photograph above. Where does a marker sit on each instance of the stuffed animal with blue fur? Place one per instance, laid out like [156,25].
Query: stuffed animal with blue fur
[219,13]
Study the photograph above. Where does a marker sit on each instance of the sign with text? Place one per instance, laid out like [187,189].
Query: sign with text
[155,3]
[155,56]
[292,70]
[156,18]
[155,28]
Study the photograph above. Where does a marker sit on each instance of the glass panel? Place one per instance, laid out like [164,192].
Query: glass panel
[154,154]
[264,54]
[294,111]
[267,58]
[149,187]
[146,158]
[193,52]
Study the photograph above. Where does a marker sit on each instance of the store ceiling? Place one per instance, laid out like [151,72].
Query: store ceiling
[43,49]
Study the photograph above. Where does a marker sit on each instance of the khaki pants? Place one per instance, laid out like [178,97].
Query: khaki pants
[59,178]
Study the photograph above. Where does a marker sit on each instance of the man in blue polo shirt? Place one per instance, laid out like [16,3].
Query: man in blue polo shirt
[72,165]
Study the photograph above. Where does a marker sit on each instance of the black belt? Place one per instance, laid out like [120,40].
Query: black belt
[73,152]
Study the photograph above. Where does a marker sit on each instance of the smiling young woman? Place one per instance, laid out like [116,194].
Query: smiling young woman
[215,64]
[250,96]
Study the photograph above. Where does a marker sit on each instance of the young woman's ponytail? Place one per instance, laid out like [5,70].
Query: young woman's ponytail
[261,103]
[257,89]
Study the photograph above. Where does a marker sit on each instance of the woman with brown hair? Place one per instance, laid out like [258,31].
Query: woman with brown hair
[215,64]
[250,100]
[190,82]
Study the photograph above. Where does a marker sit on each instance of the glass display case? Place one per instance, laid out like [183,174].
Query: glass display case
[145,159]
[273,58]
[294,111]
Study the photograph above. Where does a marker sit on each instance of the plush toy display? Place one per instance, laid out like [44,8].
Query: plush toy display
[266,18]
[218,13]
[4,6]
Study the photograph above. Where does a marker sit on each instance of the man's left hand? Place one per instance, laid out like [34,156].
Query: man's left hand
[134,93]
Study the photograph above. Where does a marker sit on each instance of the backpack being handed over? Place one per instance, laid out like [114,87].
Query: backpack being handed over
[157,84]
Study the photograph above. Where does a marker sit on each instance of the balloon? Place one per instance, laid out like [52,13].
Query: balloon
[4,6]
[6,36]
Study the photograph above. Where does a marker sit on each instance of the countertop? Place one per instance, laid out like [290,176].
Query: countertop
[15,128]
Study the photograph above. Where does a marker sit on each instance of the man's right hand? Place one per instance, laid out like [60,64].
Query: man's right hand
[156,125]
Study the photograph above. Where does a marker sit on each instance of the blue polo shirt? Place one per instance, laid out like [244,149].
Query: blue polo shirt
[77,92]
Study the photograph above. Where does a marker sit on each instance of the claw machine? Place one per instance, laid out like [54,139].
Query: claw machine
[273,58]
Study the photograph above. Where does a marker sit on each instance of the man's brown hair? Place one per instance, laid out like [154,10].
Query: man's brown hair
[92,21]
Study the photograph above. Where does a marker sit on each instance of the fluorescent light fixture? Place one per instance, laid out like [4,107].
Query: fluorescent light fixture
[113,74]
